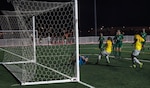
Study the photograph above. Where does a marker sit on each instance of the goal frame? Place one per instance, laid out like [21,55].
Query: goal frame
[70,79]
[77,71]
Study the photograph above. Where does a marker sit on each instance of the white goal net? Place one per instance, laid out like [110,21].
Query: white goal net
[38,42]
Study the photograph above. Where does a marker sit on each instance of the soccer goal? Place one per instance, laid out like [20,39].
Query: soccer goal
[32,63]
[39,40]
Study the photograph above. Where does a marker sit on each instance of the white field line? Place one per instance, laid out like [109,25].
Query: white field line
[130,59]
[128,46]
[121,51]
[123,58]
[15,85]
[140,60]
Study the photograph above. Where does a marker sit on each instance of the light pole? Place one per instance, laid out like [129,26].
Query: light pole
[95,18]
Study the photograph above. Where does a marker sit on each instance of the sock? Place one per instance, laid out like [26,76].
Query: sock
[136,60]
[99,57]
[107,58]
[119,53]
[115,53]
[132,57]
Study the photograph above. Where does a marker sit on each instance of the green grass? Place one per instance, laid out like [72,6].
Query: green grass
[116,75]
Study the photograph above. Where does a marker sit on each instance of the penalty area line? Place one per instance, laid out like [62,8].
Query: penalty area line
[130,59]
[139,59]
[15,85]
[123,58]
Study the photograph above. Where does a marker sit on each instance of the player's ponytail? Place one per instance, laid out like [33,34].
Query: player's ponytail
[109,38]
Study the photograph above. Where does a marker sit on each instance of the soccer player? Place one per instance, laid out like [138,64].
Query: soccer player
[31,37]
[137,48]
[66,34]
[82,59]
[49,39]
[107,51]
[118,43]
[144,35]
[101,42]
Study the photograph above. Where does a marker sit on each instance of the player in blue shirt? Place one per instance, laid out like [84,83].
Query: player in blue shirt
[82,59]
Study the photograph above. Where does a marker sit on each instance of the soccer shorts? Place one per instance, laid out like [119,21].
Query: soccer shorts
[104,53]
[118,45]
[135,52]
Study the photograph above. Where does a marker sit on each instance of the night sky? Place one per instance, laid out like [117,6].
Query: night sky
[109,12]
[115,13]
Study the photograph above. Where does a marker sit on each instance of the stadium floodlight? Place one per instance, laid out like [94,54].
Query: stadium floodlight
[28,55]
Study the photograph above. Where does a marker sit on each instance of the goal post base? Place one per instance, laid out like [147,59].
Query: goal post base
[57,81]
[47,82]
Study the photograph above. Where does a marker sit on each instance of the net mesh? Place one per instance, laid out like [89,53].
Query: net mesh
[54,23]
[15,40]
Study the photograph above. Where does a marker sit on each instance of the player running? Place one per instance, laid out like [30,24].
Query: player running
[137,48]
[101,42]
[118,40]
[144,35]
[107,51]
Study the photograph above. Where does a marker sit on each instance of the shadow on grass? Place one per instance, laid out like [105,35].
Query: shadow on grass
[107,65]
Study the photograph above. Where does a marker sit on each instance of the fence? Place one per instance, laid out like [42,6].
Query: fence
[82,40]
[94,39]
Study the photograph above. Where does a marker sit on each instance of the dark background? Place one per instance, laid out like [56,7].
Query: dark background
[115,13]
[110,13]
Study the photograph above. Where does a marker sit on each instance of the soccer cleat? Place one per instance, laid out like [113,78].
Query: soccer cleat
[96,63]
[133,66]
[141,65]
[108,62]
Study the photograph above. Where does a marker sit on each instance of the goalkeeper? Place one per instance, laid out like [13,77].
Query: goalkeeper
[107,51]
[82,59]
[138,46]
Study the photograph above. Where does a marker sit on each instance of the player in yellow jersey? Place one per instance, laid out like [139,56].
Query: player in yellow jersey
[107,51]
[137,48]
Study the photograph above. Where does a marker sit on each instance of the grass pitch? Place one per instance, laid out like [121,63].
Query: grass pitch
[118,74]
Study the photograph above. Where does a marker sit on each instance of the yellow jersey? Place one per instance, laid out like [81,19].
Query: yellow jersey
[138,43]
[108,48]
